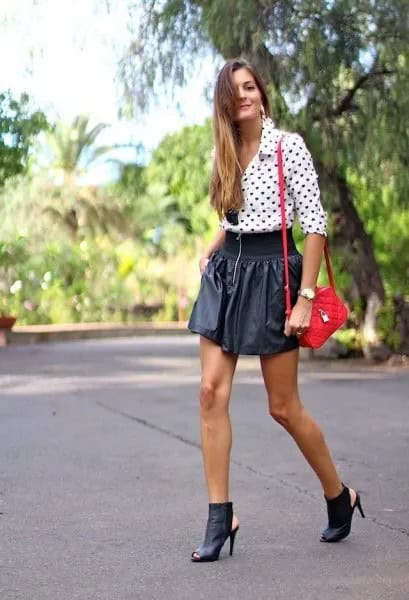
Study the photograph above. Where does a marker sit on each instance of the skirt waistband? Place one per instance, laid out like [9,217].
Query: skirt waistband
[251,245]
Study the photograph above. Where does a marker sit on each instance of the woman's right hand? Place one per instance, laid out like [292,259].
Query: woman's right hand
[203,264]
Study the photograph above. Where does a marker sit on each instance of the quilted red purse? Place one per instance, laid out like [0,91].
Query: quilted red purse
[329,312]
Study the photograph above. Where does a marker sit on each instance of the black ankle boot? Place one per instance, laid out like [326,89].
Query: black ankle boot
[219,528]
[340,514]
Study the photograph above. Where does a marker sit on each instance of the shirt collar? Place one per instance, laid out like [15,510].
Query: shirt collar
[268,133]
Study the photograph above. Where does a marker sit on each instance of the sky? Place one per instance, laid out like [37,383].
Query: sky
[65,55]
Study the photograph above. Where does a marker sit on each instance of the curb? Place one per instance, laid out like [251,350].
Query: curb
[34,334]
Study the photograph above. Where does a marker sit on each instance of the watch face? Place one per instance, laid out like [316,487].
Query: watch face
[307,293]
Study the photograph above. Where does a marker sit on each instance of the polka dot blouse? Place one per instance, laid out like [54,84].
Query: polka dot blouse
[261,207]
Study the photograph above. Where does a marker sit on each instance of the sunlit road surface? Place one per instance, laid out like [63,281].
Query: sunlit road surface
[102,492]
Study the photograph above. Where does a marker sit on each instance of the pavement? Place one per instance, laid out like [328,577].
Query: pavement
[102,494]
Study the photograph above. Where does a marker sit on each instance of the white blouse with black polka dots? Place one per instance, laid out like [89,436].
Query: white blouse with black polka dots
[261,202]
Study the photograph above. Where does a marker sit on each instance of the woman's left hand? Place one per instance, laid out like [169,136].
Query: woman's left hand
[300,318]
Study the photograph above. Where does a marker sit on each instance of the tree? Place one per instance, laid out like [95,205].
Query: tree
[180,167]
[70,150]
[18,127]
[172,190]
[337,73]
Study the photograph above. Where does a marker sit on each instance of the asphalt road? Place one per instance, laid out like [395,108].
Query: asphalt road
[102,492]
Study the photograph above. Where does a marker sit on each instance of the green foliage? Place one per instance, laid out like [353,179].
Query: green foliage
[179,171]
[169,312]
[36,208]
[71,148]
[103,274]
[12,254]
[53,202]
[167,202]
[386,218]
[18,126]
[350,338]
[138,211]
[143,68]
[387,325]
[73,282]
[100,274]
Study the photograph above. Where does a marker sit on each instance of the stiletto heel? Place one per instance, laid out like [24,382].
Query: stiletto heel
[358,504]
[340,514]
[232,538]
[218,529]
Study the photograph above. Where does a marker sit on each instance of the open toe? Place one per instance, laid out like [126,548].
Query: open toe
[218,530]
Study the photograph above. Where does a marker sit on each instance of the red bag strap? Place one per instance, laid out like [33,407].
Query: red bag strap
[330,272]
[283,228]
[281,186]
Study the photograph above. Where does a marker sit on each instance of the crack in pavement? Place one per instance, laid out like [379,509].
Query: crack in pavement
[185,440]
[146,423]
[390,527]
[237,463]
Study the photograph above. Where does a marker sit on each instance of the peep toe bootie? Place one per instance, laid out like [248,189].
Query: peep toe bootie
[340,514]
[218,529]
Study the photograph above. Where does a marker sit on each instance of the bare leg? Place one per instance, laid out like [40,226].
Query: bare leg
[215,428]
[280,378]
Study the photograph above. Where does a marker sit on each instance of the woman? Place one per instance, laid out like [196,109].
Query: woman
[240,308]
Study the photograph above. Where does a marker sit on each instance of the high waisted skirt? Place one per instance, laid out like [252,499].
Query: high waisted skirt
[241,301]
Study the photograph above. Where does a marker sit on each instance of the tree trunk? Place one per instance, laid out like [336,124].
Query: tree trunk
[401,325]
[350,234]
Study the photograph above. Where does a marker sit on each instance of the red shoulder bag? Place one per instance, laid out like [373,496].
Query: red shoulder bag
[329,312]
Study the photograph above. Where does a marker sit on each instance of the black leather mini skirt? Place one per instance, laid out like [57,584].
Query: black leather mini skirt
[241,301]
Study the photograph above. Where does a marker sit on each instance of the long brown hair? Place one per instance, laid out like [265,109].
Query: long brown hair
[225,183]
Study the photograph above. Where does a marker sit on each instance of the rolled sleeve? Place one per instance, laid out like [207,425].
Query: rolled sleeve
[302,184]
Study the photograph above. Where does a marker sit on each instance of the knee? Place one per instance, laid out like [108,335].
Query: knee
[286,410]
[209,397]
[280,414]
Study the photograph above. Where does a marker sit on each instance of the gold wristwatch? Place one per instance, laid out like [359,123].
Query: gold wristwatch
[307,293]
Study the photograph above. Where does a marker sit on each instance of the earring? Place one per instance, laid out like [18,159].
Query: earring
[262,112]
